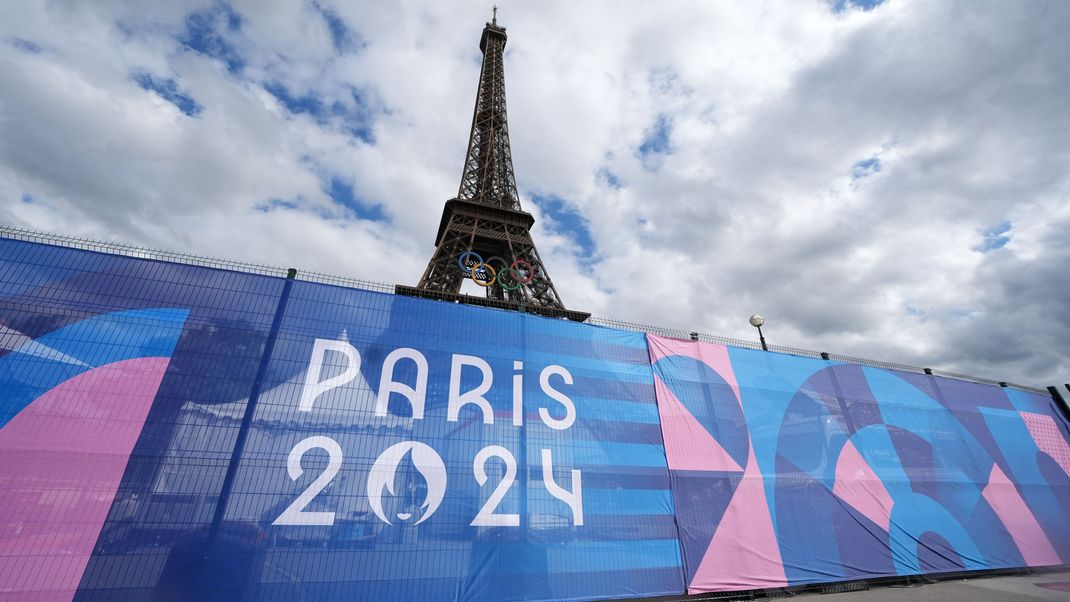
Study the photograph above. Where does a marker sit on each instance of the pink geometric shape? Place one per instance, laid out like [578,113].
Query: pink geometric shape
[63,457]
[688,446]
[859,486]
[661,347]
[714,356]
[1015,515]
[744,553]
[1048,437]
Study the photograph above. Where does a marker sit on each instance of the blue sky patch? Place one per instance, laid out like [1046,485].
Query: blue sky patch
[355,119]
[656,143]
[26,45]
[309,104]
[995,237]
[568,222]
[343,38]
[611,179]
[656,140]
[206,33]
[273,204]
[167,89]
[342,193]
[865,167]
[358,120]
[838,6]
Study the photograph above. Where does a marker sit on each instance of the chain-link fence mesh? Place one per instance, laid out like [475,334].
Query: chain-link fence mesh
[253,268]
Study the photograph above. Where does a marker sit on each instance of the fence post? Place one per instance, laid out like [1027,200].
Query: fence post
[1060,401]
[246,425]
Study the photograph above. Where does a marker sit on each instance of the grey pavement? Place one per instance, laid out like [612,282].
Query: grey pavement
[984,589]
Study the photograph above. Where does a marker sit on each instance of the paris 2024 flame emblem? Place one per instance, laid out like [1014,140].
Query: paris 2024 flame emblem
[382,476]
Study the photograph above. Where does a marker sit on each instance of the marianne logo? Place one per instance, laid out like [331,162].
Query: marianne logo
[424,461]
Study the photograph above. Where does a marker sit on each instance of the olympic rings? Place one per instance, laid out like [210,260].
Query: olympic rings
[520,272]
[512,274]
[487,282]
[461,261]
[502,264]
[531,270]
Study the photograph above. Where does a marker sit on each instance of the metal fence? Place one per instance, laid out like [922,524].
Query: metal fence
[382,287]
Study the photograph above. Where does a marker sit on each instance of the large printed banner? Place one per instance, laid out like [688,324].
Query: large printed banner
[787,470]
[407,450]
[174,432]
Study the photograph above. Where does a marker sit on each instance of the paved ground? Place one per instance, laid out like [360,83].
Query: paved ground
[1040,586]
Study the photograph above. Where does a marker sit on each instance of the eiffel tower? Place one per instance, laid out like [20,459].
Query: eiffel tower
[484,235]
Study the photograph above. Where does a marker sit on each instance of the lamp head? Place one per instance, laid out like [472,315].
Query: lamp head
[757,320]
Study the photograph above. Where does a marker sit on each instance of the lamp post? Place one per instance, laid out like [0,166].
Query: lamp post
[756,321]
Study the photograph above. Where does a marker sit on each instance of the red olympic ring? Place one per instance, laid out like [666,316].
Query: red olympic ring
[531,270]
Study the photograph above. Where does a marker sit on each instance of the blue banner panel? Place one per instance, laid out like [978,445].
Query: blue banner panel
[790,470]
[405,449]
[108,367]
[174,432]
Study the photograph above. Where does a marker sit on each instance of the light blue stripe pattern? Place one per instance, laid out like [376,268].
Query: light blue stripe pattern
[650,502]
[616,410]
[603,453]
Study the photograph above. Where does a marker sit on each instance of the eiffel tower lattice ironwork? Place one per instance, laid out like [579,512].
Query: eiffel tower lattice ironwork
[484,235]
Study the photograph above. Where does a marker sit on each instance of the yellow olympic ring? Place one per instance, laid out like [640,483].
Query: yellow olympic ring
[488,281]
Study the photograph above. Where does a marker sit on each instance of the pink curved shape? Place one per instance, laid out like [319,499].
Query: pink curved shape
[688,446]
[744,553]
[1048,438]
[714,356]
[859,486]
[1016,516]
[63,457]
[662,347]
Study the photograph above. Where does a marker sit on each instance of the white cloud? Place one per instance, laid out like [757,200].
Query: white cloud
[756,206]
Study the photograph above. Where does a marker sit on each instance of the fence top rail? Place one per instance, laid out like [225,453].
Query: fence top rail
[140,252]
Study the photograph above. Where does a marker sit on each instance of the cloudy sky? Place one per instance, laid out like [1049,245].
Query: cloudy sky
[884,179]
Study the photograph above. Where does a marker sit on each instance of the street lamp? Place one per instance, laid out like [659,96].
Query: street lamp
[756,321]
